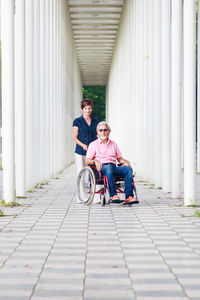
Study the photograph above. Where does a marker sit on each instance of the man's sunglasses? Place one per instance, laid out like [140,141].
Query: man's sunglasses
[103,130]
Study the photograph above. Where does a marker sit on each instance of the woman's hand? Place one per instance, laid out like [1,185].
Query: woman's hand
[85,147]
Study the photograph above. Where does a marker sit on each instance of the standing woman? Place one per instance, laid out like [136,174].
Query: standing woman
[84,132]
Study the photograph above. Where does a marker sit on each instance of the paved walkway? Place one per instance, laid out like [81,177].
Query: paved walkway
[53,248]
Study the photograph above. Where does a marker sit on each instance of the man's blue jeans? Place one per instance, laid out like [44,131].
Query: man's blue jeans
[110,170]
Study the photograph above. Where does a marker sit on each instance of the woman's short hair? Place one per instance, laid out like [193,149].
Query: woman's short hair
[86,102]
[103,123]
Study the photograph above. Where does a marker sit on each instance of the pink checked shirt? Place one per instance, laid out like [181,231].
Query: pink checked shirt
[105,153]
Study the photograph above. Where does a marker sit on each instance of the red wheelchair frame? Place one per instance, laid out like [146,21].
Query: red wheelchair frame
[103,180]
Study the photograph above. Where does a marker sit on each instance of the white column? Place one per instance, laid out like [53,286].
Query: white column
[59,97]
[132,156]
[198,94]
[176,71]
[57,89]
[29,33]
[42,91]
[166,95]
[8,146]
[51,71]
[141,88]
[20,124]
[151,171]
[146,89]
[157,93]
[47,94]
[37,87]
[189,102]
[137,90]
[54,120]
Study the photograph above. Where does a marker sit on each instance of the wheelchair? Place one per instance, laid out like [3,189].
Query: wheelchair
[91,182]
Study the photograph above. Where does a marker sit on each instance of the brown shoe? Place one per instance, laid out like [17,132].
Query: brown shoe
[116,199]
[131,200]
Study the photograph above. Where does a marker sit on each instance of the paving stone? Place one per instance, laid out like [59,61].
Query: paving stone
[57,297]
[58,249]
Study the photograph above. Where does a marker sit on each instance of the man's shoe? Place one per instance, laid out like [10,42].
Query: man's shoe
[116,199]
[131,200]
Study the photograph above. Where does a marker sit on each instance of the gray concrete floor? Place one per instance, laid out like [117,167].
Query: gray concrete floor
[53,248]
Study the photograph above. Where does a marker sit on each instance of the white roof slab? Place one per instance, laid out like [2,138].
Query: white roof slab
[95,24]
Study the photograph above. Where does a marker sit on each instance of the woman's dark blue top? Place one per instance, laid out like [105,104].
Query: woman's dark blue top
[86,133]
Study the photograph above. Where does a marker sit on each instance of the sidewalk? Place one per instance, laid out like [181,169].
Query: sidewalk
[53,248]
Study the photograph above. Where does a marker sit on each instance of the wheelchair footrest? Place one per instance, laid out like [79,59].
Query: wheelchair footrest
[130,203]
[116,201]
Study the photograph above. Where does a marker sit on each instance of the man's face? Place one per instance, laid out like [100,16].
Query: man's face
[103,132]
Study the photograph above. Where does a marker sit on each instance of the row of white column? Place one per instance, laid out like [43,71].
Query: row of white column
[39,76]
[160,100]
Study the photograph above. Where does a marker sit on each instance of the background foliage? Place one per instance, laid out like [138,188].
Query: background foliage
[98,95]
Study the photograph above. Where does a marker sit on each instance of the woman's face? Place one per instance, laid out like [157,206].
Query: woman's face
[87,110]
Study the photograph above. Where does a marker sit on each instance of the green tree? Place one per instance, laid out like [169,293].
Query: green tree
[98,95]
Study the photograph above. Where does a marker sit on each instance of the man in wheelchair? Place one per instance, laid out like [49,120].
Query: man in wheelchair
[105,153]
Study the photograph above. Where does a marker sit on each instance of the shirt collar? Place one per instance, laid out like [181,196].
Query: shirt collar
[101,142]
[81,117]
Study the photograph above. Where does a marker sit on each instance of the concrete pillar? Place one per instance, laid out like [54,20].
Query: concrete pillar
[29,54]
[54,120]
[176,80]
[43,90]
[166,95]
[37,99]
[198,94]
[145,85]
[47,86]
[51,73]
[8,145]
[157,93]
[141,152]
[189,102]
[57,158]
[20,124]
[151,173]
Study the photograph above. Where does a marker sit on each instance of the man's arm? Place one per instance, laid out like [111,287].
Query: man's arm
[90,157]
[124,162]
[89,161]
[97,163]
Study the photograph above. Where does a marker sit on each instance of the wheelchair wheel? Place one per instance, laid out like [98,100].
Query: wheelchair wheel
[86,185]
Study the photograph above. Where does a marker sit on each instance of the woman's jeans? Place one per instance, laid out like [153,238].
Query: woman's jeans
[110,170]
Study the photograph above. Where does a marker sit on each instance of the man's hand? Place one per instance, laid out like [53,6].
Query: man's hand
[126,163]
[98,165]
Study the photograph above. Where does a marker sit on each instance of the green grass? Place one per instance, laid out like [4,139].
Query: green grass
[197,213]
[9,204]
[1,213]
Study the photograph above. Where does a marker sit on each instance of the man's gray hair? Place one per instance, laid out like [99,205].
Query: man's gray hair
[103,123]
